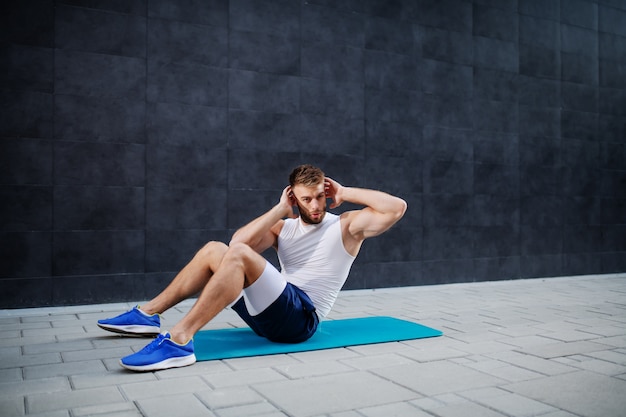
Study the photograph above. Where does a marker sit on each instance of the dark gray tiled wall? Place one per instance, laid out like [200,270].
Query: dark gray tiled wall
[133,132]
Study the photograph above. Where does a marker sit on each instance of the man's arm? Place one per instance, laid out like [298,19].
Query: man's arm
[381,210]
[262,233]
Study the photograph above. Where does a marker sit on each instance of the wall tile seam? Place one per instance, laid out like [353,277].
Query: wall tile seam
[98,9]
[425,25]
[613,61]
[114,141]
[585,28]
[498,40]
[232,70]
[556,19]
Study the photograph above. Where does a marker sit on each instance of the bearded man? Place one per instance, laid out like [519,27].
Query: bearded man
[315,249]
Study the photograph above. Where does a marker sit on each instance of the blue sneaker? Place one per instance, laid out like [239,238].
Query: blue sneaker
[161,353]
[133,322]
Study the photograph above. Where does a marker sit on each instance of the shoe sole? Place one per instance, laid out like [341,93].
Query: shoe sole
[135,330]
[165,364]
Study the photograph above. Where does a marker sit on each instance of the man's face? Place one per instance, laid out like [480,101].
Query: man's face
[311,202]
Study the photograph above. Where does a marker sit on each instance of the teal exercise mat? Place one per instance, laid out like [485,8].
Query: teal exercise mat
[243,342]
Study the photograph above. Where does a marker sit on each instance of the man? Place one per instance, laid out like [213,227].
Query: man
[316,250]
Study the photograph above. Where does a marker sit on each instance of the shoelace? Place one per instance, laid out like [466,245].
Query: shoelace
[154,344]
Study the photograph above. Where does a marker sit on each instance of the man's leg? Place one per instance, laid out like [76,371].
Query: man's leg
[240,267]
[191,280]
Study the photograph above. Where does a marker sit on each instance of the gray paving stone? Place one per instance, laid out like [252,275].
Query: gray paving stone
[439,377]
[174,405]
[112,364]
[10,334]
[482,347]
[260,362]
[57,324]
[76,337]
[10,375]
[333,393]
[559,413]
[595,365]
[516,331]
[8,353]
[529,342]
[84,355]
[532,363]
[558,325]
[109,342]
[43,402]
[403,409]
[229,397]
[53,331]
[504,371]
[50,318]
[30,360]
[199,369]
[56,413]
[604,330]
[246,377]
[481,394]
[99,379]
[32,347]
[122,409]
[22,326]
[324,355]
[517,405]
[614,356]
[428,403]
[381,348]
[508,347]
[453,405]
[255,409]
[62,369]
[26,341]
[556,350]
[274,414]
[22,388]
[466,409]
[319,368]
[615,341]
[343,414]
[583,393]
[377,361]
[570,336]
[12,406]
[158,388]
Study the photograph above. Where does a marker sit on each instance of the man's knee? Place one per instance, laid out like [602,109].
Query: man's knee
[212,250]
[240,250]
[246,258]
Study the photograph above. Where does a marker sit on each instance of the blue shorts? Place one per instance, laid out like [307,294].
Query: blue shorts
[289,319]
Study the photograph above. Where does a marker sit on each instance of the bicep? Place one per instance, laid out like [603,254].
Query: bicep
[270,240]
[267,241]
[366,223]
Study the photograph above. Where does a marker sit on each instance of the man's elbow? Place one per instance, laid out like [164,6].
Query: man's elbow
[401,207]
[238,238]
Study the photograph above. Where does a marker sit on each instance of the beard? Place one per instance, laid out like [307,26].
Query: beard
[306,217]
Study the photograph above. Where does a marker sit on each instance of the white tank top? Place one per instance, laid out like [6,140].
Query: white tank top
[313,258]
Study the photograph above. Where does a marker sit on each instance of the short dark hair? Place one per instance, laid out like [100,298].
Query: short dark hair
[307,175]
